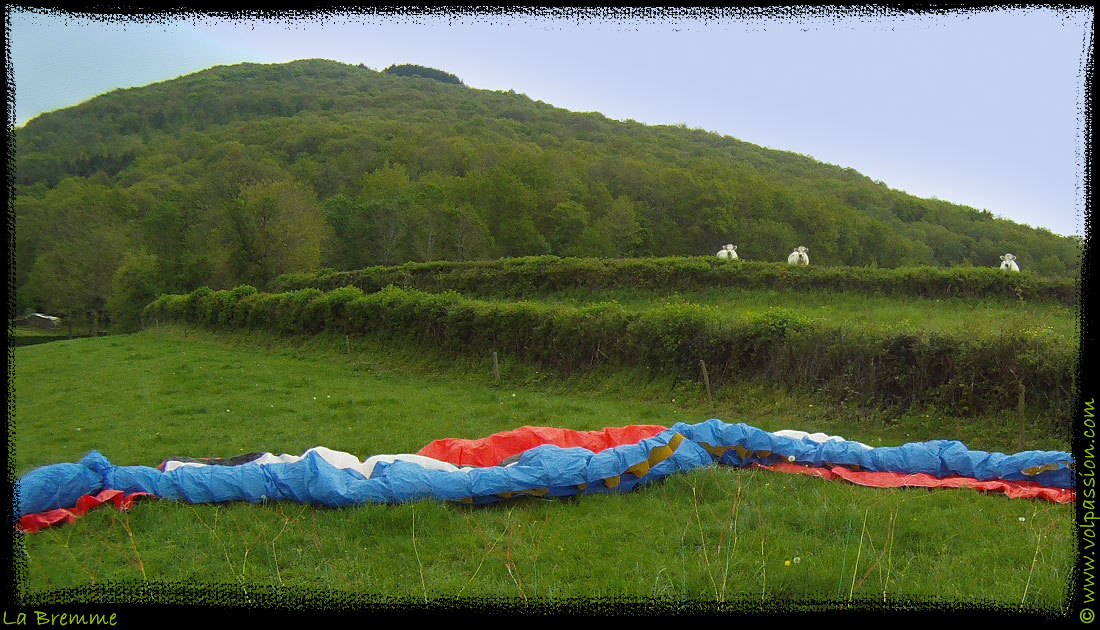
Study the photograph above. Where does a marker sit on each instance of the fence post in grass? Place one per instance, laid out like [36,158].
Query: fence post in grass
[1022,415]
[496,367]
[706,380]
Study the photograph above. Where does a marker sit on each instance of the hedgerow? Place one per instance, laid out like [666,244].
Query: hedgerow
[894,368]
[519,277]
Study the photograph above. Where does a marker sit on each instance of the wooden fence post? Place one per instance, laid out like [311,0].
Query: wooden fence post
[706,380]
[1023,415]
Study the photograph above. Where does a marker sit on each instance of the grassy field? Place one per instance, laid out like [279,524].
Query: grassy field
[29,336]
[981,316]
[716,534]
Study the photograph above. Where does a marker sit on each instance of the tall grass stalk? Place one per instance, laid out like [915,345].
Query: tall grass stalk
[416,552]
[1034,559]
[731,542]
[890,554]
[763,560]
[703,540]
[859,551]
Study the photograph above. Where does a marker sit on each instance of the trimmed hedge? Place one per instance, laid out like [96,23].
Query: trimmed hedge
[893,368]
[518,277]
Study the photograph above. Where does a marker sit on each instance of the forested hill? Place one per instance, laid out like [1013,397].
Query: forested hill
[239,173]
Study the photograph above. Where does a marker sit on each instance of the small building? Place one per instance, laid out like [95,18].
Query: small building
[38,320]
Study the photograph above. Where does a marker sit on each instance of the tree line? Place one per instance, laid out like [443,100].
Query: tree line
[238,174]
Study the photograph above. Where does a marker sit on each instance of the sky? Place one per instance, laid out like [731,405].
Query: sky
[984,108]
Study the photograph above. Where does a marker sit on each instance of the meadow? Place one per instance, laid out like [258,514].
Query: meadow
[717,534]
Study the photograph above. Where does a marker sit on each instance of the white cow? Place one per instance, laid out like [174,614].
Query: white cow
[799,256]
[1009,263]
[728,252]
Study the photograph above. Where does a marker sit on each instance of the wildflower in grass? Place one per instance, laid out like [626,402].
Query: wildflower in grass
[787,563]
[797,560]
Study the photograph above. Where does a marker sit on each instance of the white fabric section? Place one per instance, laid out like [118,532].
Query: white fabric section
[820,438]
[338,459]
[169,466]
[426,462]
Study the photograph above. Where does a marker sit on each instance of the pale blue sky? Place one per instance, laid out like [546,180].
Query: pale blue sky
[982,108]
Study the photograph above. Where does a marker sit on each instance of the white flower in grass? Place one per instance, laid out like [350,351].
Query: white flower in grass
[1022,519]
[797,560]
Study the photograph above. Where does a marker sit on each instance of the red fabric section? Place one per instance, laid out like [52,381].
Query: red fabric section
[1013,489]
[492,450]
[33,522]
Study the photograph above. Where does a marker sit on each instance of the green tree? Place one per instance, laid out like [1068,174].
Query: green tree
[136,283]
[1051,266]
[272,229]
[350,228]
[413,70]
[73,279]
[389,223]
[617,234]
[568,220]
[467,235]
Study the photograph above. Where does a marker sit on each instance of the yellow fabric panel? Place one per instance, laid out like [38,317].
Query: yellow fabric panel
[534,492]
[675,442]
[742,452]
[612,482]
[640,469]
[657,455]
[1035,470]
[717,451]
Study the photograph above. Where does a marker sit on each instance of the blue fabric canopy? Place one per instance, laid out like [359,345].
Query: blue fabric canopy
[544,470]
[940,458]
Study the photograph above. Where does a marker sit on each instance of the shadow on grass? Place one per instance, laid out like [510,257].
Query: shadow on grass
[18,340]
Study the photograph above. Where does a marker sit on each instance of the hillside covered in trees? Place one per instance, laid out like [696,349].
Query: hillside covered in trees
[238,174]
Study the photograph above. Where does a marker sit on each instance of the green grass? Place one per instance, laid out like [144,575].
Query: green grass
[29,336]
[982,316]
[713,534]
